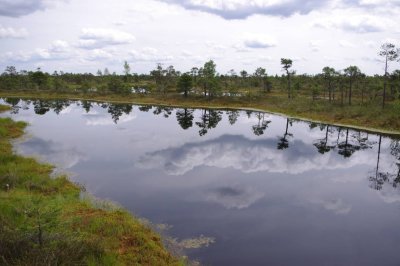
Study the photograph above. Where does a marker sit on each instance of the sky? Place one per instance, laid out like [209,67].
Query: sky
[84,36]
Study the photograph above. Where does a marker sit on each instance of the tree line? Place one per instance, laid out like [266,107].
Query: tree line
[336,86]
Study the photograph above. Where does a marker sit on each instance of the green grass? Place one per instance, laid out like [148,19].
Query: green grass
[4,108]
[369,116]
[45,221]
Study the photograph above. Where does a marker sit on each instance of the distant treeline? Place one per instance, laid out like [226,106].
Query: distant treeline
[332,85]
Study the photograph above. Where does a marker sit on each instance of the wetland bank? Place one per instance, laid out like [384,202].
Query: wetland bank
[187,132]
[263,184]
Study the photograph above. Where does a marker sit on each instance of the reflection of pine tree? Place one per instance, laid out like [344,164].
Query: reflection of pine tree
[41,107]
[346,149]
[185,118]
[166,111]
[14,104]
[363,140]
[284,142]
[380,178]
[59,105]
[145,108]
[104,105]
[116,110]
[322,144]
[248,113]
[262,124]
[208,120]
[87,106]
[232,116]
[395,151]
[357,142]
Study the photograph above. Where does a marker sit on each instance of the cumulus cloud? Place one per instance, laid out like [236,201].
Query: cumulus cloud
[248,156]
[234,196]
[91,38]
[9,32]
[17,8]
[57,50]
[240,9]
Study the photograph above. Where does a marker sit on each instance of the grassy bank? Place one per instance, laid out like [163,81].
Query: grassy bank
[369,116]
[4,108]
[45,221]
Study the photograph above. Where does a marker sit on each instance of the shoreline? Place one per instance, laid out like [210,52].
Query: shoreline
[161,102]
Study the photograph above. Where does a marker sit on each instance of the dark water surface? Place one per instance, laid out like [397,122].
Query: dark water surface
[270,190]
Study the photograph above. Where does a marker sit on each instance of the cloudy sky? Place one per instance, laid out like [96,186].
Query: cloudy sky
[83,36]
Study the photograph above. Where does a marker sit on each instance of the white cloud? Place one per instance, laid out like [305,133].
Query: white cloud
[150,54]
[363,24]
[12,33]
[52,152]
[245,155]
[107,38]
[18,56]
[259,41]
[98,54]
[98,38]
[354,22]
[57,50]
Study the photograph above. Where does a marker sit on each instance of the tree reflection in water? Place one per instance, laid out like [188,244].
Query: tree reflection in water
[262,124]
[346,143]
[283,142]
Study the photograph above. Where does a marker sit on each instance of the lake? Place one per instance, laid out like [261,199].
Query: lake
[269,190]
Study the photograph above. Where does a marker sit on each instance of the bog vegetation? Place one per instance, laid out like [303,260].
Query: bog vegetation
[45,220]
[337,96]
